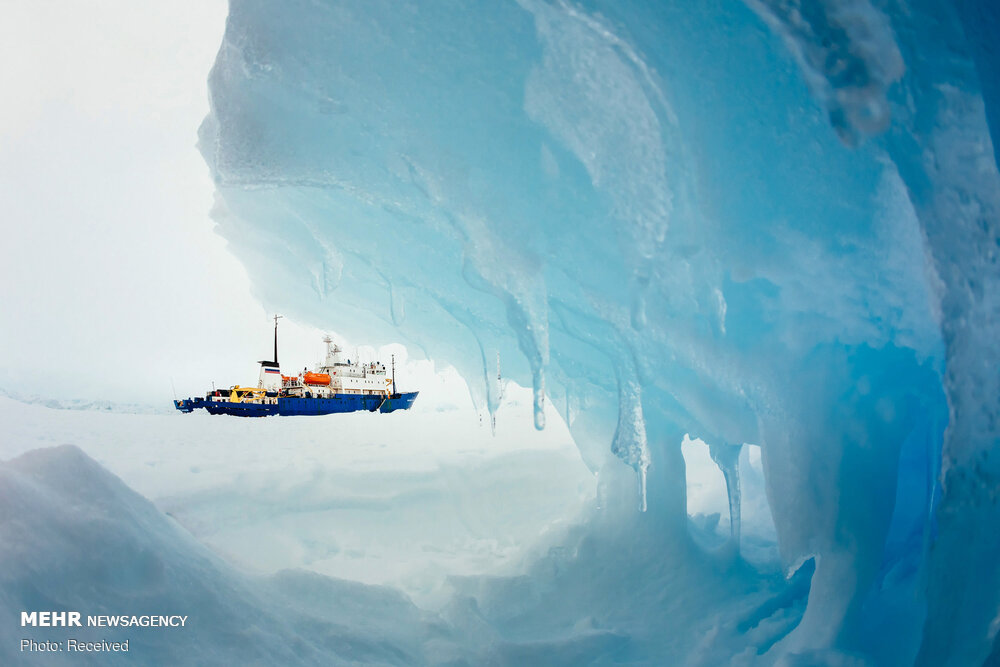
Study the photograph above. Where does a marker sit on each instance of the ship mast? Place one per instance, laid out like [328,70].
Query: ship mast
[276,318]
[394,373]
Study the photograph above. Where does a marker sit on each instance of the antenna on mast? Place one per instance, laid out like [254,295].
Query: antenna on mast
[276,318]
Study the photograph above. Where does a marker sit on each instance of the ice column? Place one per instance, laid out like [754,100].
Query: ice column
[727,457]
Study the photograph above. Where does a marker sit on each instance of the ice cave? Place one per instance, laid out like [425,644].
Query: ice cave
[759,239]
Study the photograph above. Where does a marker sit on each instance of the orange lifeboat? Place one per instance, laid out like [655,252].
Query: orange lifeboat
[316,378]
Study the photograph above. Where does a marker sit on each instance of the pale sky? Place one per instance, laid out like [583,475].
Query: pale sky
[114,284]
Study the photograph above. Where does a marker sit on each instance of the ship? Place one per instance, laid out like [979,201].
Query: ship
[335,385]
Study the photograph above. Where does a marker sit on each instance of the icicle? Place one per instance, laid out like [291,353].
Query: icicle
[494,404]
[493,265]
[533,340]
[538,383]
[727,457]
[630,443]
[499,380]
[642,486]
[492,388]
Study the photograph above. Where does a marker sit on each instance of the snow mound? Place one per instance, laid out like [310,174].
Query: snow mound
[75,537]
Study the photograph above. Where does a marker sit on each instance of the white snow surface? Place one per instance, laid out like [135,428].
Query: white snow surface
[73,537]
[345,495]
[308,541]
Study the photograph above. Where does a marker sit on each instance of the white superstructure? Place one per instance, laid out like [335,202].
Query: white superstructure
[339,376]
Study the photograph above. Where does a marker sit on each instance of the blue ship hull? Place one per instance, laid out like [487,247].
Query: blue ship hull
[291,405]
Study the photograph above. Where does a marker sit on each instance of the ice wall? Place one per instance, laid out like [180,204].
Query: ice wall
[768,222]
[935,114]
